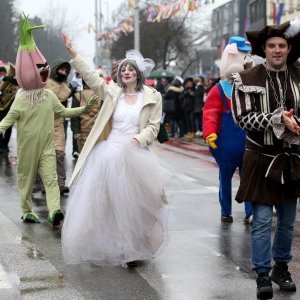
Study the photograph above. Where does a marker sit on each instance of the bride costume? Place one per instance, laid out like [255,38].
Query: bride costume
[116,211]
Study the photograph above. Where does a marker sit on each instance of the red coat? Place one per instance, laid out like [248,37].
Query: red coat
[212,112]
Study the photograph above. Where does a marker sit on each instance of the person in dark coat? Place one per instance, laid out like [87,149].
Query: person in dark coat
[199,103]
[187,104]
[8,90]
[172,107]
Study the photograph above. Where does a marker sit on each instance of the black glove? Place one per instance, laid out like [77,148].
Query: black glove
[73,89]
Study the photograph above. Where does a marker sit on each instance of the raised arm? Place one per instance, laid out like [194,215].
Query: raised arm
[90,76]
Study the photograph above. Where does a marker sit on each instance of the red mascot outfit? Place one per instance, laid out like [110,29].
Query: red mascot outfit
[226,140]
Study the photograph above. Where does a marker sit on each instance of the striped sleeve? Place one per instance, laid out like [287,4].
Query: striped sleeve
[245,112]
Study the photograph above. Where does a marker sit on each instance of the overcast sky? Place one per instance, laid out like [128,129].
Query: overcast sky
[79,13]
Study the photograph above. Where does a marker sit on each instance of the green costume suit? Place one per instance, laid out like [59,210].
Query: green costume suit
[36,152]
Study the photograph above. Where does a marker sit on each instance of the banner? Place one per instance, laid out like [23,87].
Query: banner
[132,4]
[152,14]
[277,12]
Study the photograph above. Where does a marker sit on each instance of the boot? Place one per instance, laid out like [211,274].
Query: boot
[190,136]
[132,264]
[56,217]
[281,276]
[264,286]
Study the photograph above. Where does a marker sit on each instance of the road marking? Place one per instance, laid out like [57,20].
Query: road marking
[8,280]
[203,190]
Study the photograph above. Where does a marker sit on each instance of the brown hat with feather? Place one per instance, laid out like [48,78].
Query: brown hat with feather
[289,30]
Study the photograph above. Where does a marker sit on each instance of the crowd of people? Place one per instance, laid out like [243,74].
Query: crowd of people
[117,208]
[183,102]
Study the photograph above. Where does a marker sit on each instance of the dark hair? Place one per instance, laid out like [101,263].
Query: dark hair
[64,65]
[176,82]
[3,69]
[139,74]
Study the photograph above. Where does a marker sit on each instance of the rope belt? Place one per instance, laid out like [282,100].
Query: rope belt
[284,166]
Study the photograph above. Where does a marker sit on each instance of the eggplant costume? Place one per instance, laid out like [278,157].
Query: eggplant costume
[34,111]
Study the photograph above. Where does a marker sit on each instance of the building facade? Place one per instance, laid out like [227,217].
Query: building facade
[290,10]
[267,12]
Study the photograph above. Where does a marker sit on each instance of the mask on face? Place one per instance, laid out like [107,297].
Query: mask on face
[61,77]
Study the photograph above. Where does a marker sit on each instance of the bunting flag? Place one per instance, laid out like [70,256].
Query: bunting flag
[125,27]
[166,11]
[153,14]
[132,4]
[277,12]
[91,28]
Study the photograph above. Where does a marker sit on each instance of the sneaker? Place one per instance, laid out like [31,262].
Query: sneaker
[30,218]
[228,219]
[132,264]
[264,286]
[248,220]
[281,276]
[56,218]
[75,154]
[198,133]
[63,190]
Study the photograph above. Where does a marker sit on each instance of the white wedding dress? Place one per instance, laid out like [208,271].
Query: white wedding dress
[115,212]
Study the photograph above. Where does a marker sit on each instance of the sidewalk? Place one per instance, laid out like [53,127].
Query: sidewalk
[197,145]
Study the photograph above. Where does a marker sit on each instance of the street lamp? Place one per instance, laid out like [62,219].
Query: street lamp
[137,26]
[98,29]
[107,14]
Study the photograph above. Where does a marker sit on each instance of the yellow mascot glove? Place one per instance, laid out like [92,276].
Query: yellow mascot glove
[211,139]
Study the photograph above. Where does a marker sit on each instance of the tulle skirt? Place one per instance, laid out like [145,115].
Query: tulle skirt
[116,211]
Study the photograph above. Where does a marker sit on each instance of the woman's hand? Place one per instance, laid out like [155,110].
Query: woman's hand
[290,122]
[69,46]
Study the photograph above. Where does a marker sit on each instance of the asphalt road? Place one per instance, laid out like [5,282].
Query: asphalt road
[205,259]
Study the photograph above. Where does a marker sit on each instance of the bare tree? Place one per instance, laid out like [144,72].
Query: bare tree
[49,39]
[168,41]
[8,31]
[162,41]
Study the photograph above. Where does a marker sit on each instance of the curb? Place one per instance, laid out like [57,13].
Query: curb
[189,146]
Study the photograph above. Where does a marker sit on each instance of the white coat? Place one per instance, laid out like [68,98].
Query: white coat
[149,120]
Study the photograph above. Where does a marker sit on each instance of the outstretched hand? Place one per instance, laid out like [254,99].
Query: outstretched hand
[211,140]
[290,122]
[69,45]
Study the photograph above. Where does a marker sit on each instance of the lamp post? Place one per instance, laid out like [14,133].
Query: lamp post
[98,29]
[107,14]
[96,62]
[137,27]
